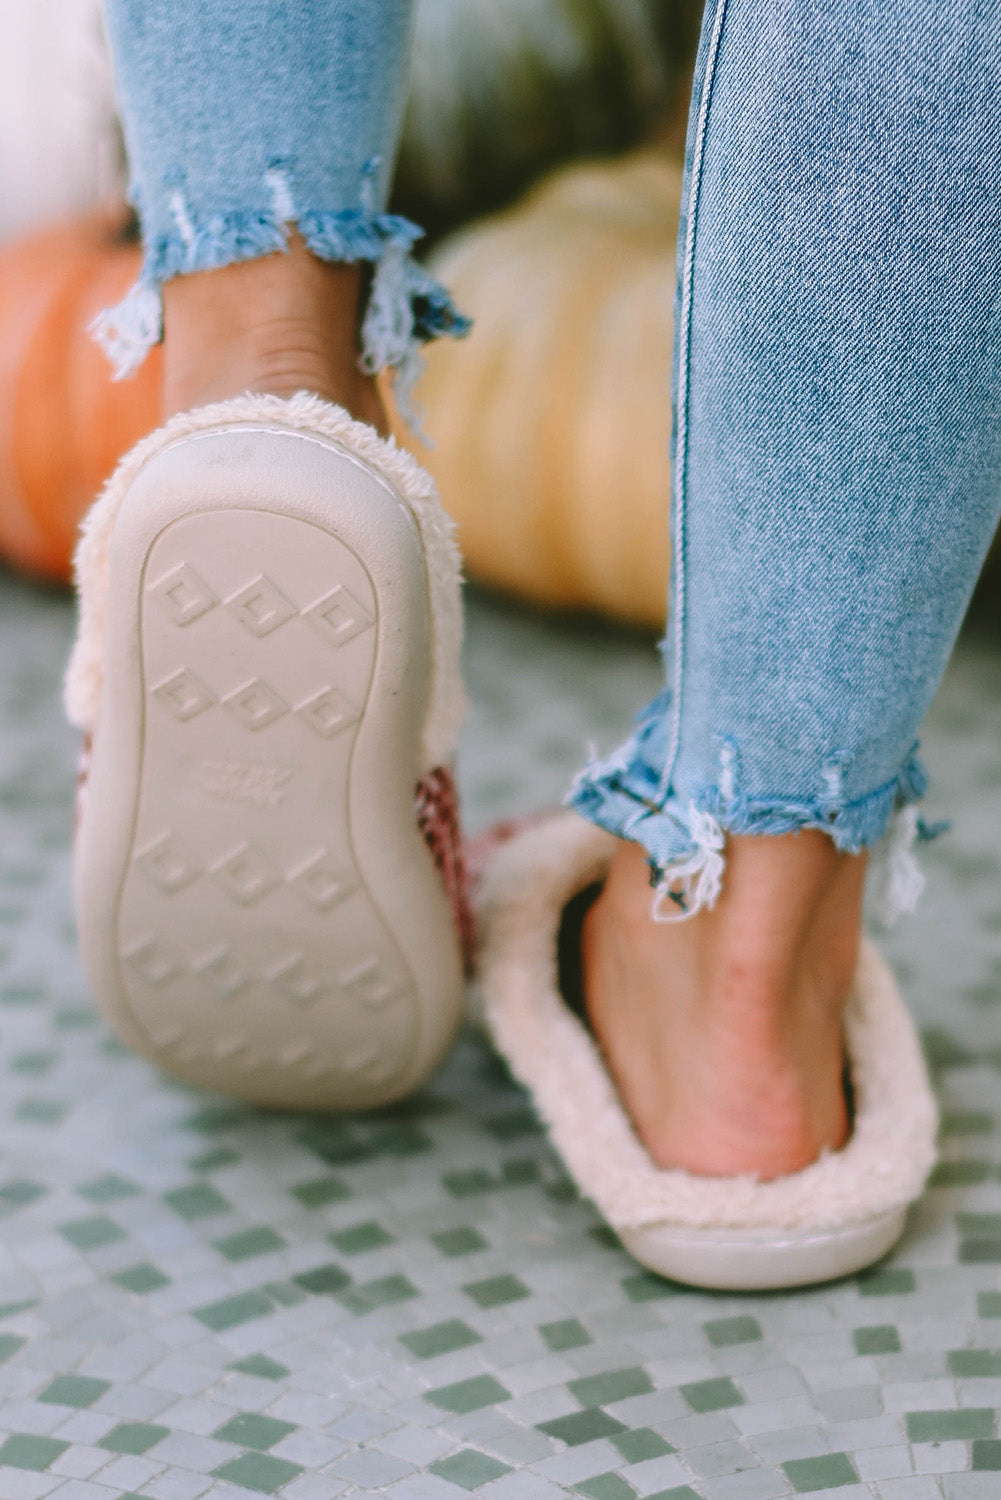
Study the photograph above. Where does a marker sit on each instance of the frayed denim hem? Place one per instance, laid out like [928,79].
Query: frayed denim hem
[684,840]
[406,307]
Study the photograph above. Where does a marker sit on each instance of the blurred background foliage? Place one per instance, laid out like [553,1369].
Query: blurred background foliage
[503,91]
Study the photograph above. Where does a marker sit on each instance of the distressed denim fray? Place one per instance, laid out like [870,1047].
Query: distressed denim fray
[243,119]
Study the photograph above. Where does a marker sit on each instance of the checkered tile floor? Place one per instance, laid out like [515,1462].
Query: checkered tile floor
[199,1299]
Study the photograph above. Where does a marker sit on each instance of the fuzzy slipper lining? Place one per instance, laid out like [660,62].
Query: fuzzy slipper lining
[882,1168]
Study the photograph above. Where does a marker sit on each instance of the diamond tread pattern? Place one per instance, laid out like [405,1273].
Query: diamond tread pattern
[248,942]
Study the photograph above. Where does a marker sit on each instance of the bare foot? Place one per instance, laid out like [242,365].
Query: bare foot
[723,1032]
[281,323]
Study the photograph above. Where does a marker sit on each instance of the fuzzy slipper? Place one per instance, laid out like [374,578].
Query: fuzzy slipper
[268,870]
[839,1214]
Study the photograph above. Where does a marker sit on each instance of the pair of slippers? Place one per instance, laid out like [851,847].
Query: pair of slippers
[269,870]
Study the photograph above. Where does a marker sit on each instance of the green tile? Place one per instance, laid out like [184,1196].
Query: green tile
[721,1332]
[33,1063]
[24,1450]
[989,1304]
[382,1292]
[140,1279]
[469,1470]
[881,1338]
[249,1429]
[959,1173]
[680,1492]
[20,1192]
[942,1050]
[644,1286]
[321,1191]
[258,1471]
[133,1437]
[606,1487]
[610,1385]
[641,1444]
[890,1283]
[260,1365]
[285,1293]
[92,1234]
[983,1251]
[565,1334]
[513,1124]
[10,1343]
[41,1111]
[361,1237]
[978,1224]
[212,1118]
[399,1138]
[520,1172]
[250,1242]
[199,1200]
[440,1338]
[829,1471]
[582,1427]
[74,1390]
[468,1395]
[496,1291]
[212,1161]
[974,1364]
[9,1309]
[460,1241]
[466,1184]
[966,1122]
[73,1018]
[323,1281]
[19,994]
[986,1454]
[950,1426]
[108,1189]
[712,1395]
[234,1310]
[334,1142]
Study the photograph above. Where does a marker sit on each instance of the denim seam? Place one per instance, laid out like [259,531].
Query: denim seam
[681,402]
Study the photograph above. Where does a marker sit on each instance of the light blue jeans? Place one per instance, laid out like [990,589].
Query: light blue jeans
[837,382]
[243,117]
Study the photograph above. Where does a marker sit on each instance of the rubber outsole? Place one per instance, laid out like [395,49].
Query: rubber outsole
[743,1260]
[259,912]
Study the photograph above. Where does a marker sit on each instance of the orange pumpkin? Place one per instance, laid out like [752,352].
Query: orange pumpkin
[64,423]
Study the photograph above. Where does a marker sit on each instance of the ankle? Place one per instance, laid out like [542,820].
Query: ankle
[277,324]
[723,1032]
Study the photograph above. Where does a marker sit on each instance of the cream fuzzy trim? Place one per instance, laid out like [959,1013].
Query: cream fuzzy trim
[883,1166]
[302,413]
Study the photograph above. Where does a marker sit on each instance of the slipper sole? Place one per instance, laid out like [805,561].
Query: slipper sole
[259,912]
[747,1260]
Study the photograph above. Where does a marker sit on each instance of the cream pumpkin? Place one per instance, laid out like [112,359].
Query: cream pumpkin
[551,422]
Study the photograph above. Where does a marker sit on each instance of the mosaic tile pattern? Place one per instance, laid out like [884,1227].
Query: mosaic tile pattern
[197,1298]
